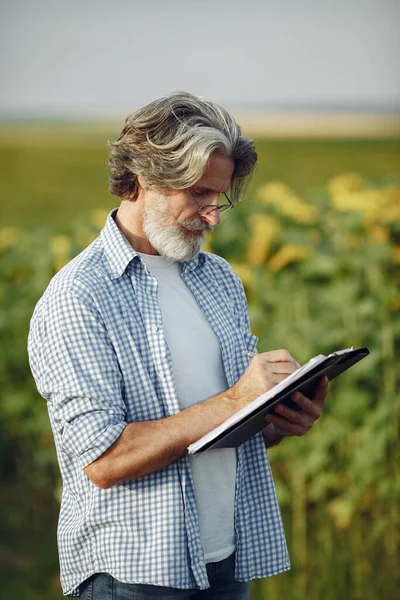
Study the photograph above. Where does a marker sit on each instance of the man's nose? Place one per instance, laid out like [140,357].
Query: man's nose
[213,217]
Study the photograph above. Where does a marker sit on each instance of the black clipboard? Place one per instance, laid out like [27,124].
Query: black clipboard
[253,420]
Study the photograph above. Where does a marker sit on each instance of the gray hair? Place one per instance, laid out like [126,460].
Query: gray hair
[169,142]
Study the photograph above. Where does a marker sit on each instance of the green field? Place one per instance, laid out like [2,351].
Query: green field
[58,177]
[317,244]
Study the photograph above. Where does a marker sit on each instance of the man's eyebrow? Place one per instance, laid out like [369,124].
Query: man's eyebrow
[203,188]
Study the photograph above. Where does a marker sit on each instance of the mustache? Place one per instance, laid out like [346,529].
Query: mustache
[197,226]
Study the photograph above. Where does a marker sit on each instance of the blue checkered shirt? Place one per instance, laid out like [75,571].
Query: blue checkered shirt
[100,359]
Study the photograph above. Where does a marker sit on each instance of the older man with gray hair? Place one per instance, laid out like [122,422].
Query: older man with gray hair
[139,347]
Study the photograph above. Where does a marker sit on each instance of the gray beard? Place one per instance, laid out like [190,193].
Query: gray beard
[170,239]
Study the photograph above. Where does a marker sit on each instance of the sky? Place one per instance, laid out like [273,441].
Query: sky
[95,58]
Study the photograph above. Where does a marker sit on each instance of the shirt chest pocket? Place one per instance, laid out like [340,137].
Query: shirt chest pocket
[251,342]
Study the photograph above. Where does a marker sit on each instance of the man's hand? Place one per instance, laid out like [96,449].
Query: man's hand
[264,372]
[287,422]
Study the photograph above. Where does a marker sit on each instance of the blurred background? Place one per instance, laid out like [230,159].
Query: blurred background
[317,243]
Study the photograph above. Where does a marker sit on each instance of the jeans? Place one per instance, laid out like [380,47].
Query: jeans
[223,586]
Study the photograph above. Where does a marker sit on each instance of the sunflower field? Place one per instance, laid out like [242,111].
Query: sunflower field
[317,246]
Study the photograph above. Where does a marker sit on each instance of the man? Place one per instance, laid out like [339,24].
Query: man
[139,346]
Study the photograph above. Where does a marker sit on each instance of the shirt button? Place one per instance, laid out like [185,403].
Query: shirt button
[201,563]
[154,329]
[161,375]
[200,554]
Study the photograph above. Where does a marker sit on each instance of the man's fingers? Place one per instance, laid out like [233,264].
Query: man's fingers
[307,406]
[276,356]
[307,415]
[290,422]
[264,372]
[286,427]
[315,405]
[283,367]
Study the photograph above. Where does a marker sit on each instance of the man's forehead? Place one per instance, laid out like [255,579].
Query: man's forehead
[218,174]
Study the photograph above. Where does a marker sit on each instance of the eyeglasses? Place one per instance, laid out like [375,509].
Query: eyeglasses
[206,209]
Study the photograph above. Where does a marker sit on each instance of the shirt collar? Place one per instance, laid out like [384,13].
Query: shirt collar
[119,252]
[190,265]
[117,249]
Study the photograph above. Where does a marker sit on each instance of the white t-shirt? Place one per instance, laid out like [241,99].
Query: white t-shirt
[199,374]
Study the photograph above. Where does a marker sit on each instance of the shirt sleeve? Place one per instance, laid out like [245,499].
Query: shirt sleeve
[80,377]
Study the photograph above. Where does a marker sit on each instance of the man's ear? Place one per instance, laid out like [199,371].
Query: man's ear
[142,184]
[141,188]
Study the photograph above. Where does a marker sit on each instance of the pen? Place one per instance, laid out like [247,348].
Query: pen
[249,354]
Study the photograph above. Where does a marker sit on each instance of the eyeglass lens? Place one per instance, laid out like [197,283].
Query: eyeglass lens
[208,208]
[203,201]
